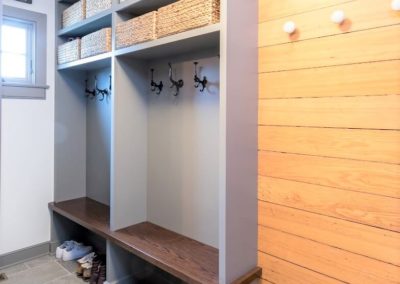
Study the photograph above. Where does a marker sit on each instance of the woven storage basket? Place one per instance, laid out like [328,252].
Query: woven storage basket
[96,6]
[136,30]
[74,14]
[96,43]
[69,51]
[186,15]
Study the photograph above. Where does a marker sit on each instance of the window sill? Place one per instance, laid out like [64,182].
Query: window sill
[23,91]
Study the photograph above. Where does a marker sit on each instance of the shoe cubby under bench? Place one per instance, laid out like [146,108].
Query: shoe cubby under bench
[184,258]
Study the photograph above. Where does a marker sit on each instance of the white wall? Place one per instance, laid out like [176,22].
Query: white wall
[27,156]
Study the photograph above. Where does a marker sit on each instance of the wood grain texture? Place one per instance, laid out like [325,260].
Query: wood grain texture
[249,277]
[333,262]
[373,112]
[359,144]
[366,79]
[378,211]
[279,271]
[377,44]
[360,15]
[269,10]
[187,259]
[369,241]
[369,177]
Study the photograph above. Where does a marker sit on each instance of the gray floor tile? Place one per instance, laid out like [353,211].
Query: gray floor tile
[68,265]
[38,275]
[14,269]
[40,261]
[70,279]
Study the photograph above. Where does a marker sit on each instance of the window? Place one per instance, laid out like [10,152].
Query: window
[17,51]
[23,54]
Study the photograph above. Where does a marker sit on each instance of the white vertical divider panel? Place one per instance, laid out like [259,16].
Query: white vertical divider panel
[128,144]
[238,139]
[128,194]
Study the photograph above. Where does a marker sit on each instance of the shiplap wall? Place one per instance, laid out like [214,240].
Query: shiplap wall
[329,143]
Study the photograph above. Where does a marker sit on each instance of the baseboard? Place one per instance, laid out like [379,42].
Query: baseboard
[23,255]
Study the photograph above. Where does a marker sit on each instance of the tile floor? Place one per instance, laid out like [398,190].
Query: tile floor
[43,270]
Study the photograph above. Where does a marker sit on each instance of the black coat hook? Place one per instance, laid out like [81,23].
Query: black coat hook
[197,81]
[177,84]
[154,85]
[89,93]
[101,92]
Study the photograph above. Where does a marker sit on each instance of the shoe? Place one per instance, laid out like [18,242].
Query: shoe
[87,258]
[75,251]
[94,272]
[102,274]
[84,262]
[87,271]
[98,262]
[62,247]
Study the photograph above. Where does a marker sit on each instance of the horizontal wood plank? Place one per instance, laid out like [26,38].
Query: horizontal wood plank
[334,262]
[277,9]
[373,242]
[369,177]
[372,112]
[359,144]
[280,271]
[360,15]
[378,211]
[338,81]
[377,45]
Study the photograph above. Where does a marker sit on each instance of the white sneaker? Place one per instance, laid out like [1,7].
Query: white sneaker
[87,258]
[76,251]
[62,247]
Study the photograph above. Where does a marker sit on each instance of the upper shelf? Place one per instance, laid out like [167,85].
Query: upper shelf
[187,259]
[139,7]
[193,40]
[92,24]
[90,63]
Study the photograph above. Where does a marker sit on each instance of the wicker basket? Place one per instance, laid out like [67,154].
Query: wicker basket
[96,43]
[186,15]
[69,51]
[74,14]
[96,6]
[136,30]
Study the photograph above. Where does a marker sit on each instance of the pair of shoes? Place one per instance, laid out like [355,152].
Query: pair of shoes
[71,250]
[99,271]
[85,265]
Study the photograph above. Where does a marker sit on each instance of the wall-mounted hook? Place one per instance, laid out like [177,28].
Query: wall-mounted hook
[110,84]
[395,5]
[177,84]
[101,92]
[154,85]
[289,27]
[89,93]
[338,17]
[197,81]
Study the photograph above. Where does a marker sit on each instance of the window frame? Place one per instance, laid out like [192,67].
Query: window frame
[37,88]
[30,28]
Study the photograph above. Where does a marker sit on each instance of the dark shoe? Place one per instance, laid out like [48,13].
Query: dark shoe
[102,274]
[95,271]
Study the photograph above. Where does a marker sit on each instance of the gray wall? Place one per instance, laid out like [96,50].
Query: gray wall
[183,165]
[98,138]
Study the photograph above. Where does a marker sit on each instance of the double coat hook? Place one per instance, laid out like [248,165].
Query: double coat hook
[154,85]
[96,91]
[177,84]
[197,81]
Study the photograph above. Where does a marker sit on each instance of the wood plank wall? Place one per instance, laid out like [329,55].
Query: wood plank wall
[329,143]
